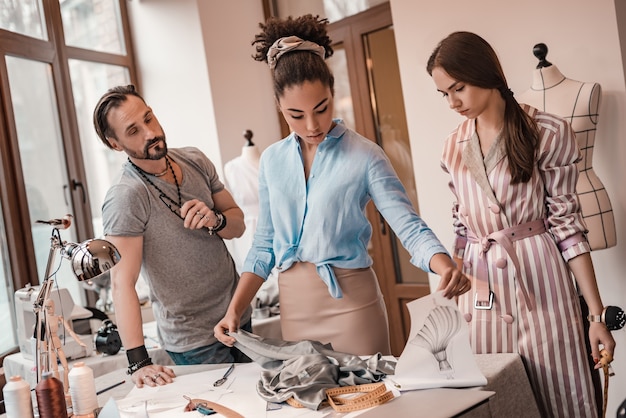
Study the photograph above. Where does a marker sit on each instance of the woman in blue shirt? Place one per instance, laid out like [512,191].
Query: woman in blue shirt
[313,189]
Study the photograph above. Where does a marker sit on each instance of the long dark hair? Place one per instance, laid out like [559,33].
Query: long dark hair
[296,67]
[468,58]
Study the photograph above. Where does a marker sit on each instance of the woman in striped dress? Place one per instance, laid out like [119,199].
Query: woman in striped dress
[519,227]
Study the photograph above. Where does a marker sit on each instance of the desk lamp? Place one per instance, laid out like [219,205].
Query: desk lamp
[89,260]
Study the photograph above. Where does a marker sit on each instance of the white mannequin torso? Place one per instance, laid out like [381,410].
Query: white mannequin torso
[251,154]
[578,102]
[241,178]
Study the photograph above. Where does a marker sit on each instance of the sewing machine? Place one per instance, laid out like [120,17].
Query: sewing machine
[65,306]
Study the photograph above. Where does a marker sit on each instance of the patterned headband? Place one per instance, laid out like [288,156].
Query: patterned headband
[292,43]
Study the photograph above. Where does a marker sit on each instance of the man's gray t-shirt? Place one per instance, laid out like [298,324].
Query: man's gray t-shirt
[191,274]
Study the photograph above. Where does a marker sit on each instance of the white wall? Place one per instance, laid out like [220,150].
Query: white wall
[240,86]
[583,41]
[173,71]
[197,73]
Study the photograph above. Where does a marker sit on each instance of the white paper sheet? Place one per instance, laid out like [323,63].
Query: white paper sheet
[438,352]
[238,393]
[168,401]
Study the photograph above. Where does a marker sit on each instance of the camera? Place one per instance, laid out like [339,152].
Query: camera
[107,338]
[614,318]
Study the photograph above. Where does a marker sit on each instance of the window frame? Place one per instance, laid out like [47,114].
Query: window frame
[21,254]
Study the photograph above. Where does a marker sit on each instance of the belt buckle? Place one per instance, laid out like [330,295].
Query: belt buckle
[483,305]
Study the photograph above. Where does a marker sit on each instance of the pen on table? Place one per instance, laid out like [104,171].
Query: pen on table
[110,387]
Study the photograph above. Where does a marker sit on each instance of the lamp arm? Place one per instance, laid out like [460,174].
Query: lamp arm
[66,250]
[40,316]
[44,290]
[44,293]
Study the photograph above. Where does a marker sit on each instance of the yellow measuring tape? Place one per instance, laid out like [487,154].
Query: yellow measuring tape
[371,394]
[605,359]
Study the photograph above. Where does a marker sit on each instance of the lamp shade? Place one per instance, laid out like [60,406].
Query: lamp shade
[91,258]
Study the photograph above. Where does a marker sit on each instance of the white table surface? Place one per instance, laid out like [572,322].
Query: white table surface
[504,372]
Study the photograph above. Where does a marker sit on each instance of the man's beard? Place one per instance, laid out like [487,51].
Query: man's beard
[157,152]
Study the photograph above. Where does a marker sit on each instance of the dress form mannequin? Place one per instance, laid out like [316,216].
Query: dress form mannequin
[578,103]
[250,152]
[241,178]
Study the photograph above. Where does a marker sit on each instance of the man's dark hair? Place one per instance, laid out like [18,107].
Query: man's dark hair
[110,100]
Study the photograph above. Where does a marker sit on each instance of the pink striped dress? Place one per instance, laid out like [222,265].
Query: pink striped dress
[535,309]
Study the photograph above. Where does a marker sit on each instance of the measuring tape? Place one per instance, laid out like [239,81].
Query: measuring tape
[209,408]
[371,394]
[605,359]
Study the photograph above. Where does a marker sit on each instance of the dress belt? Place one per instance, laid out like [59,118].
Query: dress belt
[483,297]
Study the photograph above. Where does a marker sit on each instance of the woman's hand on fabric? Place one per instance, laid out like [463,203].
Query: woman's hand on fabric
[153,375]
[197,214]
[599,335]
[229,323]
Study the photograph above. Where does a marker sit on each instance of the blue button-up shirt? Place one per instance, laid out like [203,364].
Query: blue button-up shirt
[323,220]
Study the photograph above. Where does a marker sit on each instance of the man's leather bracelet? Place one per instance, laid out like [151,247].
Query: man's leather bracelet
[137,354]
[133,367]
[137,358]
[219,224]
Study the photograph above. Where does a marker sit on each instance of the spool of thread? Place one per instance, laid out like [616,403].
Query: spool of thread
[17,400]
[83,390]
[50,397]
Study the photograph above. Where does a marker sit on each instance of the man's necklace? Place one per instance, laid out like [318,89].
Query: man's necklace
[162,195]
[161,174]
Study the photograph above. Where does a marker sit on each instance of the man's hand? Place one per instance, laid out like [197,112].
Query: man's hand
[153,375]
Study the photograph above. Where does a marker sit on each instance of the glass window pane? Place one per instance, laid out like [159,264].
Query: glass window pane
[43,163]
[93,24]
[8,340]
[333,10]
[340,9]
[89,82]
[24,17]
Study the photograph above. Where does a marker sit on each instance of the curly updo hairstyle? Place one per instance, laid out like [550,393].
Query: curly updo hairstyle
[296,67]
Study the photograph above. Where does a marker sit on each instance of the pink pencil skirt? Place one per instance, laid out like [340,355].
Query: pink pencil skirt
[355,324]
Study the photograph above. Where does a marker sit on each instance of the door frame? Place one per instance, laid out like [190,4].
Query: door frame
[349,32]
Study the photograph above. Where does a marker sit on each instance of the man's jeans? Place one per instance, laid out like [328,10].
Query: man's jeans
[212,354]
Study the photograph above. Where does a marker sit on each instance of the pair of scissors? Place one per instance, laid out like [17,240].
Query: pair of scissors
[222,380]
